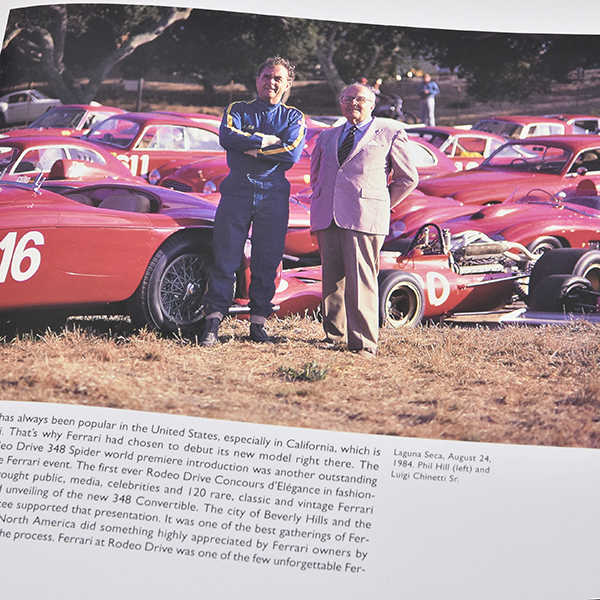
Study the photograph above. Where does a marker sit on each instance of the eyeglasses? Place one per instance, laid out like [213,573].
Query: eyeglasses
[351,99]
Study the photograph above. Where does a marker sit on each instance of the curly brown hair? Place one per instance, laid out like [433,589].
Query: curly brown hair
[276,61]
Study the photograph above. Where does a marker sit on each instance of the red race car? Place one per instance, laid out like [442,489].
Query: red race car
[466,148]
[144,251]
[578,124]
[102,249]
[24,159]
[417,209]
[67,120]
[205,175]
[539,220]
[116,248]
[435,275]
[156,143]
[549,163]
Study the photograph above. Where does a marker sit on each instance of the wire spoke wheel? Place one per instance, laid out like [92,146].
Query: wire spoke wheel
[182,286]
[169,297]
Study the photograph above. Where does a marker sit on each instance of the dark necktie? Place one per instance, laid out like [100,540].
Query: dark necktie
[347,145]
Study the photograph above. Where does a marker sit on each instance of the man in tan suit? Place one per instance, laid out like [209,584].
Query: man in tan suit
[358,172]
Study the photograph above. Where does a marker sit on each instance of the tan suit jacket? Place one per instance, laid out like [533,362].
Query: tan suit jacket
[358,195]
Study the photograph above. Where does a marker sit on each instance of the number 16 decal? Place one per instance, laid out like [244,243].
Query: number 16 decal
[22,261]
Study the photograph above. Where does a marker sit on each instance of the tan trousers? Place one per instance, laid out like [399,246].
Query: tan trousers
[350,262]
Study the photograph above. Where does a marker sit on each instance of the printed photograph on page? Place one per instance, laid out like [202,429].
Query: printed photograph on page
[180,232]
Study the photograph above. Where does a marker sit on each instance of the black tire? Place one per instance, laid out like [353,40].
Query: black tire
[555,262]
[401,299]
[409,118]
[169,298]
[588,266]
[563,293]
[543,244]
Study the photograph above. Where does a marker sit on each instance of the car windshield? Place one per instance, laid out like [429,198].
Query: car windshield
[59,117]
[474,146]
[585,126]
[115,131]
[36,160]
[41,159]
[529,157]
[541,129]
[7,155]
[505,129]
[592,202]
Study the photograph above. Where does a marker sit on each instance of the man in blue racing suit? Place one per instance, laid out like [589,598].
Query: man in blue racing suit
[263,138]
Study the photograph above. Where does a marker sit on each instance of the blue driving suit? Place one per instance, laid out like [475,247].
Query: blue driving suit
[255,193]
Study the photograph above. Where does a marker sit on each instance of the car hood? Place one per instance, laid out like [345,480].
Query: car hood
[497,217]
[452,183]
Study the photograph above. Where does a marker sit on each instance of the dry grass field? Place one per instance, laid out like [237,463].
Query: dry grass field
[519,385]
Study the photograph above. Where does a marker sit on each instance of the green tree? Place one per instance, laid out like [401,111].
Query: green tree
[218,47]
[43,36]
[348,51]
[502,66]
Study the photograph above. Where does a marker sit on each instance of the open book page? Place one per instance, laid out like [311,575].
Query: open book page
[101,503]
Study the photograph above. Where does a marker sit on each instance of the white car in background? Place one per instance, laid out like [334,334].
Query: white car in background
[24,107]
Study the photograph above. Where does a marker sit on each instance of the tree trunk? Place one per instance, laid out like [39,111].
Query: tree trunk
[325,52]
[47,50]
[105,66]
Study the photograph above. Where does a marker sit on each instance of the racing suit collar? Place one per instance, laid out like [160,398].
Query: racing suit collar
[262,104]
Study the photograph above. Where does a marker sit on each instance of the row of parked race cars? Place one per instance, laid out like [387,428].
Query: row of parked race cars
[104,211]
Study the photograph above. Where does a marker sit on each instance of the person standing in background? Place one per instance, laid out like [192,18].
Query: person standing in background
[428,90]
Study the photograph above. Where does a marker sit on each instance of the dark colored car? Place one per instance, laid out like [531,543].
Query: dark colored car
[67,120]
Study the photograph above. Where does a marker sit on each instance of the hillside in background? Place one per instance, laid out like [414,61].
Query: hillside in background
[454,106]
